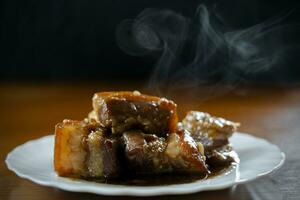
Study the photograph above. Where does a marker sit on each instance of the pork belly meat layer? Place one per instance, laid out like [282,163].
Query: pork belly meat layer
[82,150]
[123,111]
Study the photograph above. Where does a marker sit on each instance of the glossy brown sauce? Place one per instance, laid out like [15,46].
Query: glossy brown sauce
[167,179]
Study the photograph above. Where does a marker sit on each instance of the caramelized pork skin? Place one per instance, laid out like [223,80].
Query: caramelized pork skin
[123,111]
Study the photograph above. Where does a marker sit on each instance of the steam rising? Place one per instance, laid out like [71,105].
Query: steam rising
[200,51]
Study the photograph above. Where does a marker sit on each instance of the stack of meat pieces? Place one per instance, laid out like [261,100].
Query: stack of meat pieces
[128,132]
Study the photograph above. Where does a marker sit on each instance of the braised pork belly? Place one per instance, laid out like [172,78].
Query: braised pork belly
[147,153]
[213,133]
[123,111]
[131,133]
[83,150]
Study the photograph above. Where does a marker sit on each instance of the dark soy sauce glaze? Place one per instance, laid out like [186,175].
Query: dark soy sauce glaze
[166,179]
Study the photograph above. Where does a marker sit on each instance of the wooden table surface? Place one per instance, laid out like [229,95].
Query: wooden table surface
[31,110]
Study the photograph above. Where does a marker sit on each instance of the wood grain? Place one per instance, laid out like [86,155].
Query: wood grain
[30,110]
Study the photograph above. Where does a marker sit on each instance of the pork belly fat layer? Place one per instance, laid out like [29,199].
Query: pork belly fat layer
[95,157]
[123,111]
[102,159]
[212,132]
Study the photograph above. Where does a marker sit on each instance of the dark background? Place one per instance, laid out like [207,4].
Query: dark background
[75,39]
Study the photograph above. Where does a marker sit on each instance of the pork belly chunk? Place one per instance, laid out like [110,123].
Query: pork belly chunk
[123,111]
[69,151]
[213,133]
[148,154]
[222,156]
[82,150]
[145,153]
[184,153]
[102,159]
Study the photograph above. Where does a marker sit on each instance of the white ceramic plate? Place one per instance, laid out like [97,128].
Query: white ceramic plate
[34,161]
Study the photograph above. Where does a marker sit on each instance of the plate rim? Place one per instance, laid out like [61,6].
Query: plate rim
[146,189]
